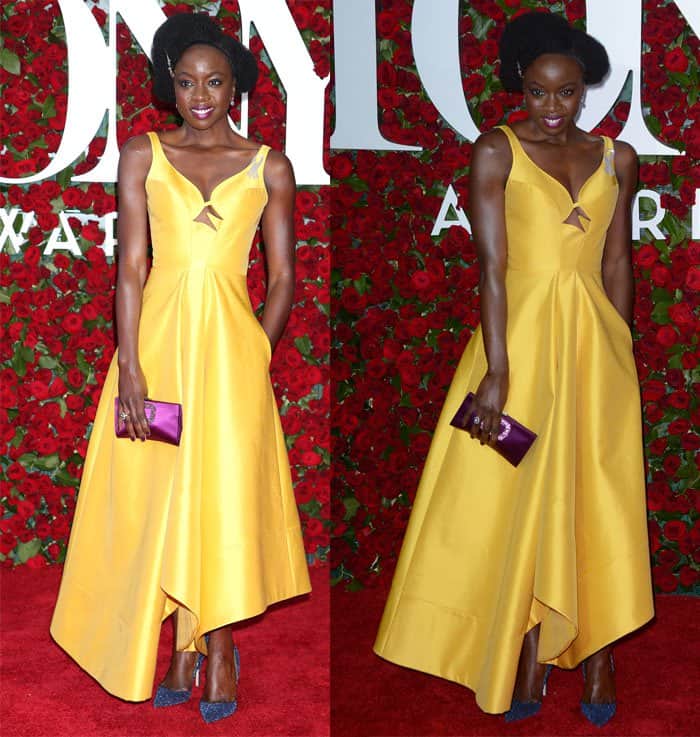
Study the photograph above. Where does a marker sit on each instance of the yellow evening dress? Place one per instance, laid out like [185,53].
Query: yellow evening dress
[210,526]
[561,540]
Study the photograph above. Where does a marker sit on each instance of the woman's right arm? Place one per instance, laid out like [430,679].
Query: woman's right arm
[132,238]
[490,166]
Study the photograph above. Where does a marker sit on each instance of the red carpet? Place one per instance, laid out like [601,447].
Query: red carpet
[658,672]
[284,673]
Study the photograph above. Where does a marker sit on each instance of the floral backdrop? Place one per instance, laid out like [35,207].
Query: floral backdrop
[56,311]
[404,304]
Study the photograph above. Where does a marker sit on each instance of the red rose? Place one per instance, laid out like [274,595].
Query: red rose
[646,255]
[679,399]
[687,576]
[681,314]
[675,530]
[38,561]
[653,390]
[692,280]
[653,413]
[15,472]
[690,442]
[666,336]
[658,447]
[671,464]
[664,579]
[675,60]
[679,426]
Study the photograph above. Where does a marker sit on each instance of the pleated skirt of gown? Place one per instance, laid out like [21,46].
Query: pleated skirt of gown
[209,527]
[492,550]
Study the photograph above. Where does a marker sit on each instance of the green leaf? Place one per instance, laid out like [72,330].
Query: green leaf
[28,550]
[63,478]
[660,313]
[49,107]
[27,353]
[83,365]
[18,364]
[32,460]
[312,508]
[63,177]
[351,506]
[48,362]
[303,345]
[9,61]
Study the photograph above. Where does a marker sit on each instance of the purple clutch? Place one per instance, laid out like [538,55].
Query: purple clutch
[514,439]
[164,420]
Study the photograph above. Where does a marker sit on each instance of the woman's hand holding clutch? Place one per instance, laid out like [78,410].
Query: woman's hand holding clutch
[132,391]
[490,398]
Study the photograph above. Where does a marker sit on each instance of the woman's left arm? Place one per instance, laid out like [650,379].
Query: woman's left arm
[617,256]
[280,244]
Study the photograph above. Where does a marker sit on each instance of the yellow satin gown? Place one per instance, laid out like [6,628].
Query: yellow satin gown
[561,540]
[211,526]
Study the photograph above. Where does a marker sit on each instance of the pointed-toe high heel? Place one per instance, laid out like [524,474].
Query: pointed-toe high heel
[172,697]
[212,711]
[525,709]
[598,714]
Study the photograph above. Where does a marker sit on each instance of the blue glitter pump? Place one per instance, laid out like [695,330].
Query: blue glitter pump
[212,711]
[525,709]
[172,697]
[598,714]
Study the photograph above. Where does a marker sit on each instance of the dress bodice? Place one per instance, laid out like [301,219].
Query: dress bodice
[537,206]
[181,239]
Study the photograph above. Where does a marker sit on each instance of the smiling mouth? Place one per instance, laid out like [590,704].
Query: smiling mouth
[553,121]
[202,112]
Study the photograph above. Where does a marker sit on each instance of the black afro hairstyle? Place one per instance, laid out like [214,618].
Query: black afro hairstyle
[181,31]
[532,34]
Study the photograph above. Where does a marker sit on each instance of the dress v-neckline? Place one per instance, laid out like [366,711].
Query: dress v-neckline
[554,179]
[205,200]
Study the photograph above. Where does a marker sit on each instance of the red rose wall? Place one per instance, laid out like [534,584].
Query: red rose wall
[56,310]
[404,303]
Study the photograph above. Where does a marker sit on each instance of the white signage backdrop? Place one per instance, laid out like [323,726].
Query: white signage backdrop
[92,75]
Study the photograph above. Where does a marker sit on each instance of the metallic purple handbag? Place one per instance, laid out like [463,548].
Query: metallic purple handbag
[514,439]
[164,420]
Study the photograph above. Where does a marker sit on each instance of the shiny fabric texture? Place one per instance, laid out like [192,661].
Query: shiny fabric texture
[164,421]
[561,540]
[209,527]
[513,440]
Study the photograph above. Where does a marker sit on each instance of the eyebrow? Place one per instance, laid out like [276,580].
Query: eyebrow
[540,84]
[212,74]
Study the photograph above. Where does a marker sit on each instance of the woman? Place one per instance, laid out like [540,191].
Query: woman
[208,530]
[506,571]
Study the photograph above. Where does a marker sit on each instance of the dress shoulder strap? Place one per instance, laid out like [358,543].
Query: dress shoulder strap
[512,139]
[257,165]
[156,148]
[609,155]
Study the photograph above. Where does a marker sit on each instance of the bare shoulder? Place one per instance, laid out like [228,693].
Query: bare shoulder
[625,155]
[626,162]
[136,155]
[278,170]
[492,154]
[493,142]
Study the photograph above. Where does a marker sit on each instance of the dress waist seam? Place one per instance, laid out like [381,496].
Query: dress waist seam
[555,269]
[169,269]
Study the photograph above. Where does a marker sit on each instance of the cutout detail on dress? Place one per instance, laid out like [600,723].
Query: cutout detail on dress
[207,215]
[578,218]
